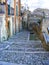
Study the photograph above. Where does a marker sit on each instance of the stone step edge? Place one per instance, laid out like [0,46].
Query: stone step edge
[25,49]
[8,63]
[10,51]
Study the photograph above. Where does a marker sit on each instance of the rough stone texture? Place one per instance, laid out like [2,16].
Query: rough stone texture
[22,51]
[45,25]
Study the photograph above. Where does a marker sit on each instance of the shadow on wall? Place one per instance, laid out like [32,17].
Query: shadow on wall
[24,25]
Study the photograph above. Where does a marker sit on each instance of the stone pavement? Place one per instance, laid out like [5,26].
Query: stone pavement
[7,63]
[22,51]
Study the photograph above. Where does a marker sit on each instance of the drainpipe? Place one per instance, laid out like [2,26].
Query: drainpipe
[19,6]
[6,25]
[15,14]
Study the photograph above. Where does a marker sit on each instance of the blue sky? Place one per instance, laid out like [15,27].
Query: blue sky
[33,4]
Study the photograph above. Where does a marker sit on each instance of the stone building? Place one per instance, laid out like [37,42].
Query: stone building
[45,25]
[10,19]
[45,22]
[3,32]
[17,17]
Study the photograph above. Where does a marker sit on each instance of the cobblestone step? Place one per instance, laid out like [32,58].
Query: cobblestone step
[8,63]
[26,46]
[19,43]
[45,62]
[27,42]
[24,58]
[21,51]
[33,63]
[29,52]
[26,49]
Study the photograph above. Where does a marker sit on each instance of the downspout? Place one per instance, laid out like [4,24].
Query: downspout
[15,15]
[19,7]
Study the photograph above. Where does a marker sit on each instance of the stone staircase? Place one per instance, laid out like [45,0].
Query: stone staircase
[23,51]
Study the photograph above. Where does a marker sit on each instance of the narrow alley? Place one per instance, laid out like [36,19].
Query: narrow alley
[24,33]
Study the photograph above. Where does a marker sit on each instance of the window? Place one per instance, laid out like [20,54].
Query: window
[0,9]
[8,9]
[16,10]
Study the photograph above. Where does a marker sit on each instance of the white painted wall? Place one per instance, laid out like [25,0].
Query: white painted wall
[17,25]
[0,26]
[4,34]
[12,32]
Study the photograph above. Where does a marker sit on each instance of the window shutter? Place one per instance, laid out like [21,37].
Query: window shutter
[8,9]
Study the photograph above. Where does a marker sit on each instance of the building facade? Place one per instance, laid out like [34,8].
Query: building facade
[10,19]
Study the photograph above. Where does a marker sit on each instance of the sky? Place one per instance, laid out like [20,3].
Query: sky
[33,4]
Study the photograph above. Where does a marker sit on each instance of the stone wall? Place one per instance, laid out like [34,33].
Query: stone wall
[45,24]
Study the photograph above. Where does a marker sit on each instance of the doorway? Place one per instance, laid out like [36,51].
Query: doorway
[8,28]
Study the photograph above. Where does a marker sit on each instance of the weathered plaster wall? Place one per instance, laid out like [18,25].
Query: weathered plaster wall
[0,26]
[45,24]
[17,24]
[20,23]
[12,26]
[25,18]
[4,34]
